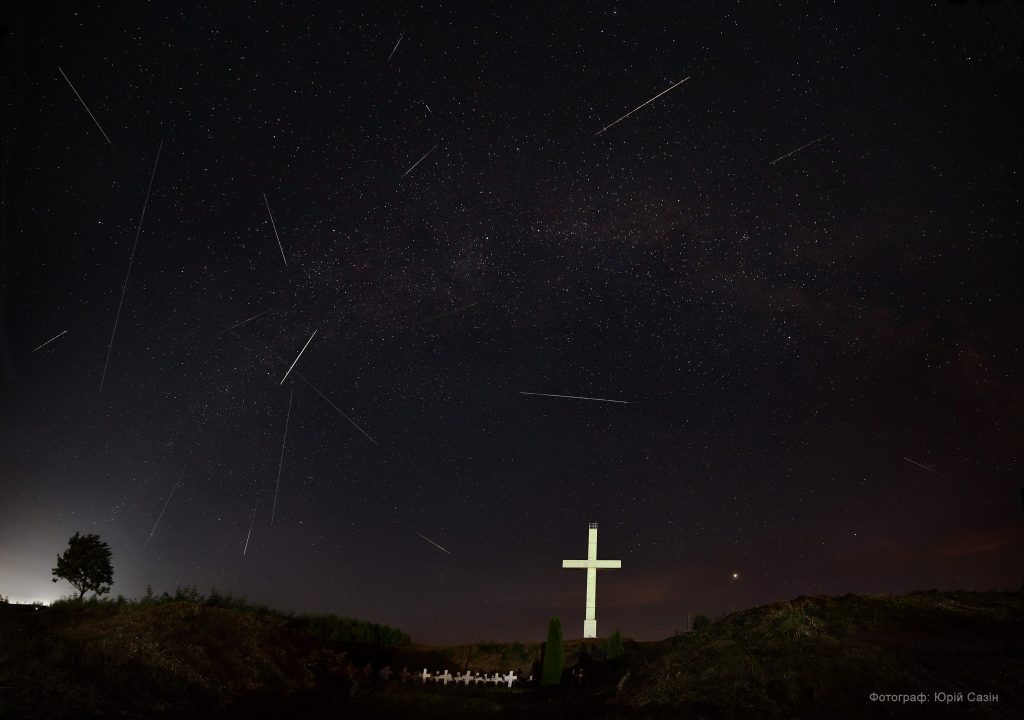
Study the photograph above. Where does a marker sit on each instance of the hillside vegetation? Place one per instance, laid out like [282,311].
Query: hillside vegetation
[824,656]
[821,657]
[171,655]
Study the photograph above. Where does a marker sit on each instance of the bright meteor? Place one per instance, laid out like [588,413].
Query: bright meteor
[641,105]
[433,543]
[577,397]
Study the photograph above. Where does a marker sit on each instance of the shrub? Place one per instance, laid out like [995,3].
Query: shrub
[613,646]
[551,674]
[701,623]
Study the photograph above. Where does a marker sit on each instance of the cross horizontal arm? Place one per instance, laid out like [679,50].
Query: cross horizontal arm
[596,564]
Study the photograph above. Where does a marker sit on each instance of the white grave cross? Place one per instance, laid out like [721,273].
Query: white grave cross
[591,565]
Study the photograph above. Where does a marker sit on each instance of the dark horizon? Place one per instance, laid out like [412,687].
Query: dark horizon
[817,347]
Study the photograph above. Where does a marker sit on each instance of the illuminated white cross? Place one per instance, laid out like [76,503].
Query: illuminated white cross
[591,565]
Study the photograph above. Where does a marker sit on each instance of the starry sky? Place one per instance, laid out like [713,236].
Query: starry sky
[819,352]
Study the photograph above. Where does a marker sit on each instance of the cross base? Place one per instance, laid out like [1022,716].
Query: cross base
[590,628]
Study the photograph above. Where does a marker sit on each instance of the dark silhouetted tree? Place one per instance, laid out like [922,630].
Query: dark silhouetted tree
[701,623]
[553,656]
[613,646]
[86,565]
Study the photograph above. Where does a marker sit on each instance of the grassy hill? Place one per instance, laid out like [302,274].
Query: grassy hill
[807,658]
[824,656]
[171,657]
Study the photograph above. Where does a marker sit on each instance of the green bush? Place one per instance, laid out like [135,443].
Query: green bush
[613,646]
[551,674]
[701,623]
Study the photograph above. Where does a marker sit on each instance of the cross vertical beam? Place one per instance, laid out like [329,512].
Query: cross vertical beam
[591,565]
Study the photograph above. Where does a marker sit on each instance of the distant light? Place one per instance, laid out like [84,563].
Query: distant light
[30,600]
[735,576]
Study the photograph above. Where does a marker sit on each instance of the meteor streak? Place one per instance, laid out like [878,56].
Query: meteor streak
[315,389]
[86,107]
[418,162]
[577,397]
[641,105]
[240,324]
[251,521]
[54,338]
[160,516]
[396,46]
[793,152]
[297,358]
[433,543]
[280,463]
[274,225]
[131,259]
[448,312]
[924,466]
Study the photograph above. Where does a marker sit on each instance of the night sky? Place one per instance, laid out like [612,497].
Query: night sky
[821,356]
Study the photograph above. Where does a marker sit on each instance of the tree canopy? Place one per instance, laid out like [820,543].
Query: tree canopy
[86,565]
